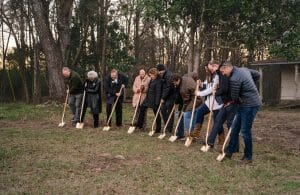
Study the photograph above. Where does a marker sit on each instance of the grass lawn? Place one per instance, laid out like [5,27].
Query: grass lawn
[36,156]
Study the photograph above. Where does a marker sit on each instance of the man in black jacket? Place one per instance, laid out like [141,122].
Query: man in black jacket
[167,95]
[112,86]
[75,87]
[243,90]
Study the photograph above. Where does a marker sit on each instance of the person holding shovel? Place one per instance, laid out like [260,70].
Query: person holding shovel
[244,91]
[93,97]
[75,87]
[140,88]
[112,85]
[152,100]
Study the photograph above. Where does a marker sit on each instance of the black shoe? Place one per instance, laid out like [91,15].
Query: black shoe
[228,155]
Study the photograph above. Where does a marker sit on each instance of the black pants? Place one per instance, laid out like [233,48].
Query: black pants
[166,111]
[95,116]
[118,111]
[141,118]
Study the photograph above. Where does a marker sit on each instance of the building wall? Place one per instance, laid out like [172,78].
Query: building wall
[290,89]
[271,79]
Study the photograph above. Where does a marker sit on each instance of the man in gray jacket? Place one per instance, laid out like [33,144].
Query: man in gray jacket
[244,92]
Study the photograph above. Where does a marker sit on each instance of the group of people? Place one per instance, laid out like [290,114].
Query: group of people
[228,92]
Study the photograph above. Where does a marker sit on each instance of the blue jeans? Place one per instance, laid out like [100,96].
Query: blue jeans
[243,123]
[187,119]
[200,113]
[180,130]
[225,114]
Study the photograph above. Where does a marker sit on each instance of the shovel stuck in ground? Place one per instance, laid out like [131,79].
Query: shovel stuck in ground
[151,133]
[64,110]
[173,138]
[222,156]
[189,139]
[80,124]
[132,127]
[161,136]
[107,127]
[206,147]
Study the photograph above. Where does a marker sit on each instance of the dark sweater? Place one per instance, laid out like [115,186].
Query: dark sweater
[75,83]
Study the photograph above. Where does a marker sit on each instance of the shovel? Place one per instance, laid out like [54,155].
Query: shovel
[132,127]
[151,133]
[80,124]
[107,127]
[207,147]
[173,138]
[64,110]
[222,156]
[189,139]
[161,136]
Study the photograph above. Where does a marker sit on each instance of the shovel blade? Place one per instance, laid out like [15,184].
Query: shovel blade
[131,130]
[162,136]
[106,128]
[151,133]
[79,125]
[61,124]
[173,138]
[221,157]
[205,148]
[188,141]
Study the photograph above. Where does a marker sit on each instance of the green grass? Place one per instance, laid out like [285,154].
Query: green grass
[42,158]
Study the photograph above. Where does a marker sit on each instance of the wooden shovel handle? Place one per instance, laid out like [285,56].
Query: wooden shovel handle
[193,110]
[136,108]
[156,115]
[169,118]
[178,122]
[114,106]
[65,106]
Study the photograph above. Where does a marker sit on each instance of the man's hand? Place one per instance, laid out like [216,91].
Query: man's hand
[118,94]
[123,86]
[199,82]
[138,91]
[162,101]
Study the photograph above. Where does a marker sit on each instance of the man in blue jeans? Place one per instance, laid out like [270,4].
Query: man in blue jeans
[243,90]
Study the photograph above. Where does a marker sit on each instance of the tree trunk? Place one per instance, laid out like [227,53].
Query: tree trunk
[36,95]
[137,34]
[192,48]
[52,52]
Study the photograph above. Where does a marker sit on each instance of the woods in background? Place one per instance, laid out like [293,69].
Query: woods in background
[128,34]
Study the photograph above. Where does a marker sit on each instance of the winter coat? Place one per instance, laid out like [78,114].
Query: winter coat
[167,88]
[152,99]
[75,83]
[187,93]
[93,96]
[208,93]
[242,86]
[136,85]
[111,87]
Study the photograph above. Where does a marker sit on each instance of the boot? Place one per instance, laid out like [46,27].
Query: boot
[96,120]
[221,138]
[196,133]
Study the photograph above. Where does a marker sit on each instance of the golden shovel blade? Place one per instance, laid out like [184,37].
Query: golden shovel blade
[61,124]
[173,138]
[151,133]
[131,130]
[205,148]
[106,128]
[221,157]
[188,141]
[161,136]
[79,125]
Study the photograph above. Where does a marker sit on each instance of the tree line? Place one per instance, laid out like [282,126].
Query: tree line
[129,34]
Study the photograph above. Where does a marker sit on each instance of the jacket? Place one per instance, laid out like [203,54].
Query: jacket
[187,93]
[152,99]
[111,87]
[75,83]
[136,85]
[93,95]
[242,86]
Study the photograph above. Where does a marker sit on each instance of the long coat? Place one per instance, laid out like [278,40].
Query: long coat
[93,96]
[136,85]
[187,93]
[152,99]
[111,88]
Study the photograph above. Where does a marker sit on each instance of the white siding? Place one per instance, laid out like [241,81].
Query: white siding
[290,90]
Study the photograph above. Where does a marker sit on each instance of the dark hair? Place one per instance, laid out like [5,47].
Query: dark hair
[213,62]
[226,63]
[153,71]
[175,77]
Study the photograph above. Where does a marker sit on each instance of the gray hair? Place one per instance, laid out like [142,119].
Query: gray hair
[92,75]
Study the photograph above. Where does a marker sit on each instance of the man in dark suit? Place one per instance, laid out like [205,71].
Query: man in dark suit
[112,86]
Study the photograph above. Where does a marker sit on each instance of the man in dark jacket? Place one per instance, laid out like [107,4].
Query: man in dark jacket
[167,95]
[93,97]
[75,87]
[112,86]
[243,90]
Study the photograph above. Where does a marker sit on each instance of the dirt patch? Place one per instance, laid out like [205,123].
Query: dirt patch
[108,162]
[278,128]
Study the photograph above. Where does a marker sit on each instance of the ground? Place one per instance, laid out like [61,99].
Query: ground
[36,156]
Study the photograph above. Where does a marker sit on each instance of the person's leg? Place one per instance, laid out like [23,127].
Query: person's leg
[219,119]
[234,136]
[164,112]
[119,113]
[108,111]
[170,105]
[71,102]
[141,116]
[230,113]
[158,121]
[199,114]
[83,111]
[247,117]
[78,102]
[180,130]
[96,120]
